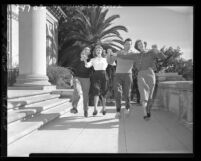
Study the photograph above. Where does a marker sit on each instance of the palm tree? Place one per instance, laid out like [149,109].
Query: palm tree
[87,26]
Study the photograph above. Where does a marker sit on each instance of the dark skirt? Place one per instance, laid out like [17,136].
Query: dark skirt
[99,83]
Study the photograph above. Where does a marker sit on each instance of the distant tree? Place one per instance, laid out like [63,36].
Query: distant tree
[186,69]
[175,63]
[170,63]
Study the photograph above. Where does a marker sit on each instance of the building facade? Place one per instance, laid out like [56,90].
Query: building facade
[32,43]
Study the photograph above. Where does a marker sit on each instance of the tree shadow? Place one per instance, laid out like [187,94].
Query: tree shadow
[51,43]
[32,114]
[71,122]
[79,122]
[17,104]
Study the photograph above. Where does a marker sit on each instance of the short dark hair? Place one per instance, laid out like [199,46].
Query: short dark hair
[128,39]
[136,44]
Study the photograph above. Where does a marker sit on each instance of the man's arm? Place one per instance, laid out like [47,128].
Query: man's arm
[130,56]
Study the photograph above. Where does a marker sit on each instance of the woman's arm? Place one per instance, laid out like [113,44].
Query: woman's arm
[88,64]
[158,54]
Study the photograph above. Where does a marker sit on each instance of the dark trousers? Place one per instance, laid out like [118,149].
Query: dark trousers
[81,87]
[122,82]
[135,91]
[111,72]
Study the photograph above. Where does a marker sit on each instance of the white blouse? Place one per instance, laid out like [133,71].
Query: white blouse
[97,63]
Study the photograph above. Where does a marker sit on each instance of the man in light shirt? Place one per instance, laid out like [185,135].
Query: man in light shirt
[123,77]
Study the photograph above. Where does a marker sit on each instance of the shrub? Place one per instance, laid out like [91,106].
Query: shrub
[187,73]
[12,75]
[59,76]
[186,69]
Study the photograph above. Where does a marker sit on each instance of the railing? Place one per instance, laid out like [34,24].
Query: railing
[176,97]
[12,75]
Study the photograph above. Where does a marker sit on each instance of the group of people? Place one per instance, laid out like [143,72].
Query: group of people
[124,60]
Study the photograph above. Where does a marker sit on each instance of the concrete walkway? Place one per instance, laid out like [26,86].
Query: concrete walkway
[105,134]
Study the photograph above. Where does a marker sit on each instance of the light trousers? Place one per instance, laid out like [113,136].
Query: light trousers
[146,84]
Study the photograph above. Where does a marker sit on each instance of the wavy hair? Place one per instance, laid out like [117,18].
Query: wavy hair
[136,44]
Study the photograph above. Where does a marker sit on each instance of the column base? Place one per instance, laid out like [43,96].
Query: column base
[51,87]
[33,82]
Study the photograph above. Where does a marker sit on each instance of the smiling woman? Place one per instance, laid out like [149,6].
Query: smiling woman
[99,78]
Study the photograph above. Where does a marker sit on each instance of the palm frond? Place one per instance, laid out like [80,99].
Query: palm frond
[82,18]
[112,44]
[118,41]
[111,18]
[111,36]
[105,33]
[87,26]
[106,23]
[100,20]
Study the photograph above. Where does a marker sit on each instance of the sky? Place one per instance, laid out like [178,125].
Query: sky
[164,26]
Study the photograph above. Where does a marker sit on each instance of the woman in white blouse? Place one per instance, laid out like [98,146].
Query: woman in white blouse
[99,83]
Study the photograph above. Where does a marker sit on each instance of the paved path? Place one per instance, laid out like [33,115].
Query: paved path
[105,134]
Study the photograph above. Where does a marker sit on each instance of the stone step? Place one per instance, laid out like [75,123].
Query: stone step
[32,109]
[63,92]
[12,94]
[19,86]
[17,102]
[20,129]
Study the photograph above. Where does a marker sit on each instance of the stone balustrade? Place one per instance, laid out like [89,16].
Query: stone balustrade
[177,97]
[169,77]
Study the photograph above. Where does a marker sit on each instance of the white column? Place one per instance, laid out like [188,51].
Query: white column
[14,36]
[32,47]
